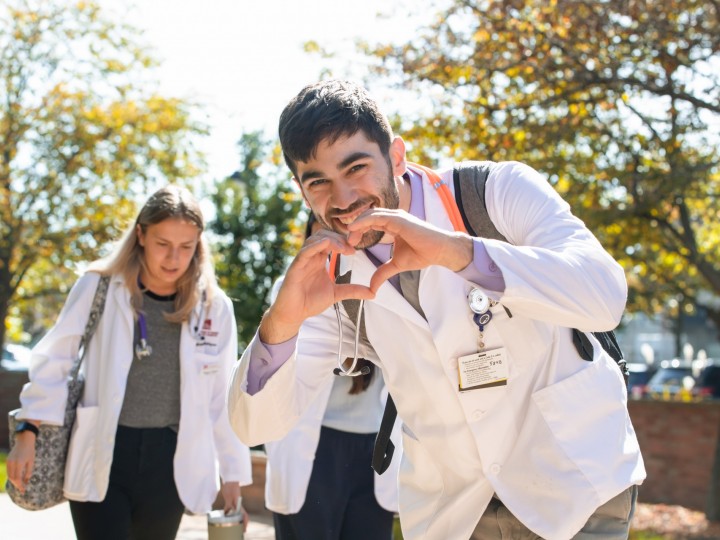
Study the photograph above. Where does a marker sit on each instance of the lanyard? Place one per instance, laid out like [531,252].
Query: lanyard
[446,197]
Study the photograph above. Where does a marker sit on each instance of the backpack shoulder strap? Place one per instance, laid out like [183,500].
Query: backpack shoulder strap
[469,178]
[96,311]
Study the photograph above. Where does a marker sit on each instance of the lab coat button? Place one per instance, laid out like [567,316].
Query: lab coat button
[477,414]
[495,468]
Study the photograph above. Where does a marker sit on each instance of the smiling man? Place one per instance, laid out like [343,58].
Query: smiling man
[509,429]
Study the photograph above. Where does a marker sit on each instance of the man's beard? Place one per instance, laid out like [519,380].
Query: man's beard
[389,198]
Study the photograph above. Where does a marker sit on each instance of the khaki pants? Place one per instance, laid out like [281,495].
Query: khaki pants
[609,522]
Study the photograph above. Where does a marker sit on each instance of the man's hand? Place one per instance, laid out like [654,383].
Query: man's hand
[417,244]
[308,289]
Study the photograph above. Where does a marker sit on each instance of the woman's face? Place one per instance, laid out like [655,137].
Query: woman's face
[169,247]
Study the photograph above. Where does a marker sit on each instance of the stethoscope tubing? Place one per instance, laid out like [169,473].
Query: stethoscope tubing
[349,372]
[143,349]
[448,201]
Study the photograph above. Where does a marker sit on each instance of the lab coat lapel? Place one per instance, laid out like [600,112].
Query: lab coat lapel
[441,290]
[122,349]
[122,297]
[387,296]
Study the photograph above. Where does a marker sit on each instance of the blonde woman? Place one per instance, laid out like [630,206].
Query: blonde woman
[152,434]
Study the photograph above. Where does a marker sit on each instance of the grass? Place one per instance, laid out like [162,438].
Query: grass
[397,533]
[3,472]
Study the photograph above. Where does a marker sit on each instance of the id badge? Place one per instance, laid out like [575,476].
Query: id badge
[209,369]
[483,370]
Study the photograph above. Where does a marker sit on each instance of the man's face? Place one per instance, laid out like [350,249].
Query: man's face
[345,179]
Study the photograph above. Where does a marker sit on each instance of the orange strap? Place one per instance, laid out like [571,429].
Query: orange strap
[447,198]
[333,264]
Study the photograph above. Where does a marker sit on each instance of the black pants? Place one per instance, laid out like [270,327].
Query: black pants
[340,502]
[142,501]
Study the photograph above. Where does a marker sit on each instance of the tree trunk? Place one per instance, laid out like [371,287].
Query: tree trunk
[5,296]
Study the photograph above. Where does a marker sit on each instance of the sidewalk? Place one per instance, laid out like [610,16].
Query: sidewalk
[55,523]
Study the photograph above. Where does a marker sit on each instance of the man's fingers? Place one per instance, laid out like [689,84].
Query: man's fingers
[325,244]
[389,222]
[346,291]
[382,274]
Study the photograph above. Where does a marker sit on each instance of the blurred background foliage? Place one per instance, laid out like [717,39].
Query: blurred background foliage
[257,228]
[616,101]
[82,133]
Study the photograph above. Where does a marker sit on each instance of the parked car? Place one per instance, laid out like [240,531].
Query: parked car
[701,379]
[707,384]
[639,375]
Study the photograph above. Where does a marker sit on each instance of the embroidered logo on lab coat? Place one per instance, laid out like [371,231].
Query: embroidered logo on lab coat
[207,330]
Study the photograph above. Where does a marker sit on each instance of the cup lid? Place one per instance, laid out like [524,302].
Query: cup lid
[218,517]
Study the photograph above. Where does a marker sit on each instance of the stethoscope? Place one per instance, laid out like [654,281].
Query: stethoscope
[478,301]
[341,370]
[143,348]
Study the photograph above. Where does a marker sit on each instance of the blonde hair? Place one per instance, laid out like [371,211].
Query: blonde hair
[128,257]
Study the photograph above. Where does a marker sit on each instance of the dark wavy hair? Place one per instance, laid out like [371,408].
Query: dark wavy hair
[329,110]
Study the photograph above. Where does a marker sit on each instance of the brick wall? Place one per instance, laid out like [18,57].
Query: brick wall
[679,442]
[254,494]
[11,382]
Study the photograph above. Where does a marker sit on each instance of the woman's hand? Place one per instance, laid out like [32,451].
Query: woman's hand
[231,495]
[21,459]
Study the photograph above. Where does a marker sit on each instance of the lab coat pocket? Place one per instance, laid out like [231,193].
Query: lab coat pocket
[421,485]
[81,451]
[207,370]
[207,364]
[588,418]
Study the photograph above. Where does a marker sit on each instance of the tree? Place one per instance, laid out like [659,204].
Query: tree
[617,101]
[82,132]
[258,229]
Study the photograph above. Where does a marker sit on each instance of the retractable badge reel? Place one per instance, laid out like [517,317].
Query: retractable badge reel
[482,369]
[480,305]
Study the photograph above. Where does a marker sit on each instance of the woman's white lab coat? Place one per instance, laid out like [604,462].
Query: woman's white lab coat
[554,443]
[206,445]
[290,461]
